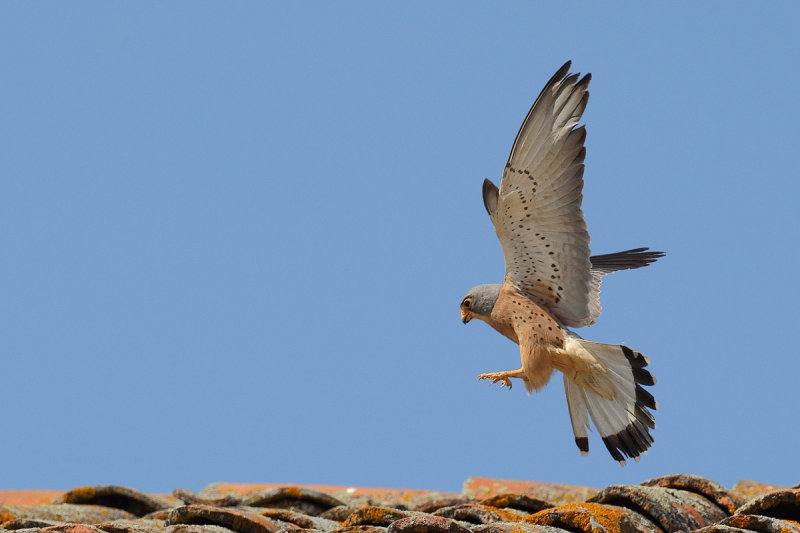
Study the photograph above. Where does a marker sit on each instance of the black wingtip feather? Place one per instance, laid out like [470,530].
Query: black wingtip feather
[582,443]
[644,416]
[645,398]
[569,80]
[625,260]
[640,375]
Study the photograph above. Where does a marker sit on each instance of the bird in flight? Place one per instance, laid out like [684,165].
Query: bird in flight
[552,283]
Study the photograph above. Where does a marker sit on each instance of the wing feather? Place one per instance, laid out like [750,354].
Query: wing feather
[537,214]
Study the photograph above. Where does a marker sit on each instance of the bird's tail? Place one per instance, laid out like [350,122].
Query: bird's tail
[611,394]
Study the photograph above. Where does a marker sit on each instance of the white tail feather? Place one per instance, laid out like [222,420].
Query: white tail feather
[622,418]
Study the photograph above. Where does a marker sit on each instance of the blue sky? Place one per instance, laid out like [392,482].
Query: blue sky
[235,237]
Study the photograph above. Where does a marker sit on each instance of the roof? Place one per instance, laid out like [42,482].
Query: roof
[666,504]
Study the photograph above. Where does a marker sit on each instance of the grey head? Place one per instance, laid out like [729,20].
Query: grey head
[479,302]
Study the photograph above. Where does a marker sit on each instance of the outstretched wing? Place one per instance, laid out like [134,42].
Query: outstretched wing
[537,210]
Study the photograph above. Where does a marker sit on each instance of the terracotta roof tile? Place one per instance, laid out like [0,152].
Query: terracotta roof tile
[662,505]
[239,520]
[64,512]
[725,499]
[28,497]
[133,501]
[747,490]
[427,524]
[782,504]
[669,509]
[556,493]
[761,524]
[593,518]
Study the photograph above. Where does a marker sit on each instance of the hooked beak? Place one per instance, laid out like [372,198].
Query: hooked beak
[466,316]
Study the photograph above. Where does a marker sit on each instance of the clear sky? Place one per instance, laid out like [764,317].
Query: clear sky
[234,237]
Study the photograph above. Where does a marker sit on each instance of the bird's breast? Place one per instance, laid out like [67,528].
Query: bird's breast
[516,316]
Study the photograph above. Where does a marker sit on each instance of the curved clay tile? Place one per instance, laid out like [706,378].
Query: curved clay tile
[300,520]
[27,523]
[556,493]
[438,503]
[669,509]
[306,500]
[520,502]
[746,490]
[426,524]
[783,504]
[593,518]
[515,527]
[63,512]
[340,512]
[725,499]
[361,529]
[133,501]
[190,498]
[375,516]
[475,514]
[71,528]
[28,497]
[761,524]
[231,518]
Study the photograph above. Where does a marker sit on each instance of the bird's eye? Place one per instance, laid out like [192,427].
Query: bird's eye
[467,303]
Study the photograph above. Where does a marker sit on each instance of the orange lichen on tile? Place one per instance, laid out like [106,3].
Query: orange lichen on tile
[756,523]
[71,528]
[374,516]
[556,493]
[593,518]
[506,515]
[588,517]
[82,494]
[29,497]
[747,490]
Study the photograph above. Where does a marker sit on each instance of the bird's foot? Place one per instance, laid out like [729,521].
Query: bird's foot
[503,377]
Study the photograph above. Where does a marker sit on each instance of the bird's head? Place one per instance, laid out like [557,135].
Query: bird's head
[479,302]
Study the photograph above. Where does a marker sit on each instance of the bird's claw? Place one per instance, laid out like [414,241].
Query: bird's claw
[504,380]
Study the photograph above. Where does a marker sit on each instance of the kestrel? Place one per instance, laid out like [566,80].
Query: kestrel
[552,283]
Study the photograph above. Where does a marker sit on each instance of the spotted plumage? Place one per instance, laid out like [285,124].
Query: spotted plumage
[551,281]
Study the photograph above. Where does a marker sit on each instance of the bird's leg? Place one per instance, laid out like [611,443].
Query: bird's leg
[504,377]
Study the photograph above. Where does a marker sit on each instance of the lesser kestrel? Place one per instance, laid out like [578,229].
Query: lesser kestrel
[552,283]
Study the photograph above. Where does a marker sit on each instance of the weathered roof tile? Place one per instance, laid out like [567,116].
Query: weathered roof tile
[304,499]
[746,490]
[725,499]
[669,509]
[64,512]
[761,524]
[662,505]
[515,527]
[133,501]
[28,497]
[375,516]
[234,519]
[556,493]
[783,504]
[593,518]
[426,524]
[520,502]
